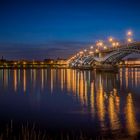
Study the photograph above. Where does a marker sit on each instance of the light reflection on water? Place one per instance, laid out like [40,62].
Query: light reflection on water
[109,99]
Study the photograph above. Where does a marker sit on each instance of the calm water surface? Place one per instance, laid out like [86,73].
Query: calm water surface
[56,99]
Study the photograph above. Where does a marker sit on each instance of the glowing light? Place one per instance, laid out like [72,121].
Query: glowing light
[81,52]
[97,44]
[42,78]
[85,50]
[117,43]
[110,39]
[91,47]
[100,103]
[114,120]
[100,43]
[129,40]
[105,47]
[131,122]
[15,79]
[24,62]
[97,50]
[24,80]
[91,52]
[113,44]
[129,33]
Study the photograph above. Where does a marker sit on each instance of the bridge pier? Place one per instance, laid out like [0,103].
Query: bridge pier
[98,67]
[106,67]
[106,59]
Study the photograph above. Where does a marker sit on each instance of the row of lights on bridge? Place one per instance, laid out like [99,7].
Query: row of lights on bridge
[101,45]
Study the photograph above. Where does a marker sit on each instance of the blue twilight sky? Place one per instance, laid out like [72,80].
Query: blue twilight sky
[31,29]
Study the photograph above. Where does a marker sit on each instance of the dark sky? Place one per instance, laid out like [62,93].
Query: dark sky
[40,29]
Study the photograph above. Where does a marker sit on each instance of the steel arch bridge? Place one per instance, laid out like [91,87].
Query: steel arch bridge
[112,56]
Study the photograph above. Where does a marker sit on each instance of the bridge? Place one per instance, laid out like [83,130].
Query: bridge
[103,56]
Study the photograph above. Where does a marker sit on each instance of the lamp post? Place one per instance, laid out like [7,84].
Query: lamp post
[110,39]
[99,44]
[129,37]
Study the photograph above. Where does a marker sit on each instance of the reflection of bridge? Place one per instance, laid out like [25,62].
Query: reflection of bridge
[104,57]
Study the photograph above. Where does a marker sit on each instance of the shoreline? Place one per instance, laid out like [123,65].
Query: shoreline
[98,69]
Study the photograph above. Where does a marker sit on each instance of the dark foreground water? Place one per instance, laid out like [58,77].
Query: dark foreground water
[64,100]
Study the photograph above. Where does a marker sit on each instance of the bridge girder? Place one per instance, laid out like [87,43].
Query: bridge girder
[112,58]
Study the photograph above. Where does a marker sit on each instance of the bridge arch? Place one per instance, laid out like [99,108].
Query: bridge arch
[112,57]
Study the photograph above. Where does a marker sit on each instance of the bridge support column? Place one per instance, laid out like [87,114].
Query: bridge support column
[100,55]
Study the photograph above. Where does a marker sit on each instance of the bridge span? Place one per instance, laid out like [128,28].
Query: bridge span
[108,57]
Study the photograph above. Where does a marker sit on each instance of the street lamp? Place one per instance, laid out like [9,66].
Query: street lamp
[97,50]
[129,33]
[110,39]
[113,44]
[117,43]
[105,47]
[99,44]
[129,36]
[129,40]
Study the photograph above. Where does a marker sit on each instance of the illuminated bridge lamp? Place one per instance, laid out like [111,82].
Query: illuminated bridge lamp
[129,40]
[91,47]
[129,33]
[113,44]
[97,50]
[117,43]
[129,36]
[97,44]
[100,43]
[105,47]
[110,39]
